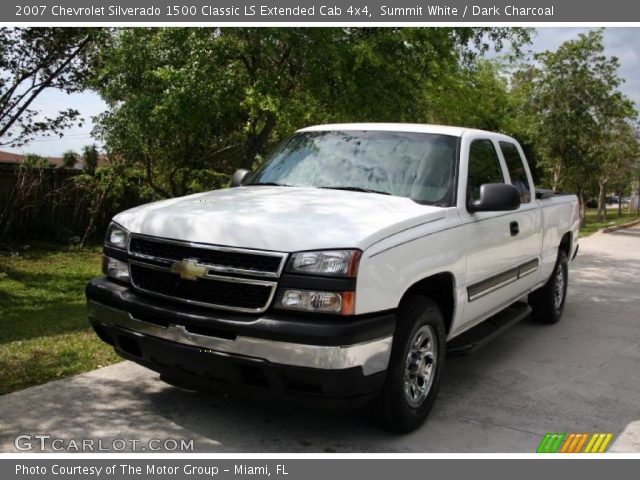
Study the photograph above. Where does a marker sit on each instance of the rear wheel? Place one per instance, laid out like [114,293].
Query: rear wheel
[415,365]
[548,301]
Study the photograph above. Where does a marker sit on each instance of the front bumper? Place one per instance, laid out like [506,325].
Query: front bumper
[312,355]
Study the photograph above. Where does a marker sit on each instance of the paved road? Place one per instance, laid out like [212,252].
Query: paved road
[581,375]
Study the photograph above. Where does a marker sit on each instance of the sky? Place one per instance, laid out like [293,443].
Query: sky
[623,43]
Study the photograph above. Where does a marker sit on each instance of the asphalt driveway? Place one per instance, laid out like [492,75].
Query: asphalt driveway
[582,375]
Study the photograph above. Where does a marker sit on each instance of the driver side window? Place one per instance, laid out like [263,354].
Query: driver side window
[484,167]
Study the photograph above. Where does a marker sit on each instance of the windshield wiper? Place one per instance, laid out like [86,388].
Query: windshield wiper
[269,184]
[358,189]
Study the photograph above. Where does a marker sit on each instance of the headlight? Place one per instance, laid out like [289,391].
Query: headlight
[116,236]
[338,263]
[315,301]
[116,269]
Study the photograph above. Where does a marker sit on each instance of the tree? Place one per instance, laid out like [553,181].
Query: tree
[113,187]
[29,175]
[474,96]
[33,161]
[618,154]
[33,60]
[69,159]
[187,102]
[576,100]
[90,158]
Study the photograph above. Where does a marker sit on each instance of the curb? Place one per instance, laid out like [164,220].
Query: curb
[629,439]
[620,227]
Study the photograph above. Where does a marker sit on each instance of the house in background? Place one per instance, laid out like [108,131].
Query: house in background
[15,158]
[8,158]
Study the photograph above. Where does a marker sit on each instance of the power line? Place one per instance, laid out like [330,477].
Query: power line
[80,137]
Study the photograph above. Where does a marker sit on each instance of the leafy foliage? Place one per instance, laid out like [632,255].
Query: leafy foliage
[107,189]
[34,162]
[90,158]
[570,108]
[619,155]
[33,60]
[187,106]
[69,159]
[183,102]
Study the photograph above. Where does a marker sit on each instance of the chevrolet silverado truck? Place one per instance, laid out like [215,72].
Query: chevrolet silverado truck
[343,269]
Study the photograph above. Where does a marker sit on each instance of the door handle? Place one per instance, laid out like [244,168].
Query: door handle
[514,228]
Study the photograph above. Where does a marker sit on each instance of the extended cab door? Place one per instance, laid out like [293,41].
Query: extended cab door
[528,217]
[493,242]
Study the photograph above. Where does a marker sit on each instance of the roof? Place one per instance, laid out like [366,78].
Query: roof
[9,157]
[390,127]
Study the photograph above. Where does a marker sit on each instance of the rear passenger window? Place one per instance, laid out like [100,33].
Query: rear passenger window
[484,167]
[518,174]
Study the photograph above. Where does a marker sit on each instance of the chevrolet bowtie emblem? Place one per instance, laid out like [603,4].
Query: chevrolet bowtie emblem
[188,269]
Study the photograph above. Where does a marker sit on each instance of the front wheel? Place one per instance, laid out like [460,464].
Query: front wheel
[416,362]
[547,302]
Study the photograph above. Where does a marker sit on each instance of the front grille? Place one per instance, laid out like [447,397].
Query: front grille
[208,291]
[225,259]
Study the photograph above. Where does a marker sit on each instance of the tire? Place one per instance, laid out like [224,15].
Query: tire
[393,408]
[548,301]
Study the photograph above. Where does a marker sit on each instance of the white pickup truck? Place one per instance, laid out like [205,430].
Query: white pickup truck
[343,269]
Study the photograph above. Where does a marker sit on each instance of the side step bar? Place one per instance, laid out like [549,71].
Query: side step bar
[478,336]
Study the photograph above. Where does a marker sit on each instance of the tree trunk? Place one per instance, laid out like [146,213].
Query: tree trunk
[96,209]
[620,194]
[14,117]
[150,181]
[556,176]
[256,140]
[601,214]
[582,203]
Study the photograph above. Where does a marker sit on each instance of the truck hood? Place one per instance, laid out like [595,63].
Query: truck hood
[284,219]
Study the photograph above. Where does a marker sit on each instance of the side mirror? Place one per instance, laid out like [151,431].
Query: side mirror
[238,177]
[496,197]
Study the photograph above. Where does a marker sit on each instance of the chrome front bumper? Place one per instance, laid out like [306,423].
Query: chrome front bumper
[371,356]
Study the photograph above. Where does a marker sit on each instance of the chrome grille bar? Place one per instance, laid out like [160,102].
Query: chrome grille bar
[282,257]
[213,269]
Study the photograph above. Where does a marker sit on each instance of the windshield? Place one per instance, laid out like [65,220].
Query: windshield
[419,166]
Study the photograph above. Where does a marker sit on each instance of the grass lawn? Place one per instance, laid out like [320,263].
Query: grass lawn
[592,226]
[44,332]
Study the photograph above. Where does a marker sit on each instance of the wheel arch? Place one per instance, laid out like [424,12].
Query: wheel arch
[440,288]
[565,244]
